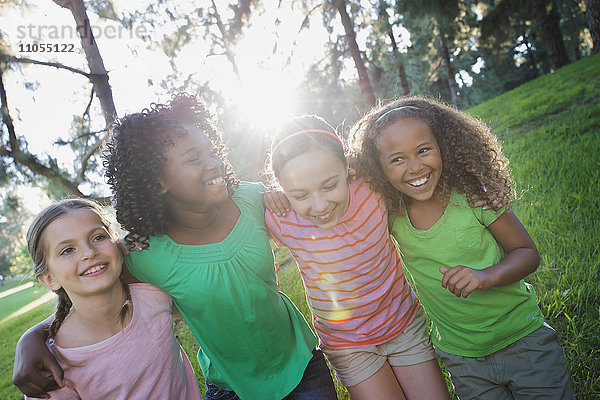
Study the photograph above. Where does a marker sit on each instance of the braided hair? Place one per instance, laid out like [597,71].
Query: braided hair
[37,251]
[472,158]
[134,157]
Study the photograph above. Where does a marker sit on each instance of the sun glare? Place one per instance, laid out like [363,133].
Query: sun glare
[265,100]
[269,81]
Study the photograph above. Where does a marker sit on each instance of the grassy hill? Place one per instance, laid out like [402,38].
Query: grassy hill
[550,129]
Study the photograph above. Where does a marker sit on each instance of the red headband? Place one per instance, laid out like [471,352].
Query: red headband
[309,131]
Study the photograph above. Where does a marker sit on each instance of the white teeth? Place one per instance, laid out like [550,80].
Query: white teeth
[419,182]
[92,270]
[324,216]
[216,181]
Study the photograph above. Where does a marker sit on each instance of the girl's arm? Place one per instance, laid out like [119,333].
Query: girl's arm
[522,258]
[128,276]
[276,202]
[66,393]
[35,370]
[175,313]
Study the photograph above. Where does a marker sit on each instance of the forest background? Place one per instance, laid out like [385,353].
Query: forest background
[255,62]
[68,68]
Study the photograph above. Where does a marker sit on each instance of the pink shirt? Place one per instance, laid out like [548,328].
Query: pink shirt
[354,282]
[143,362]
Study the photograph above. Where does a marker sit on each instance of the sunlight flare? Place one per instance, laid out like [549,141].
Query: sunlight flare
[265,100]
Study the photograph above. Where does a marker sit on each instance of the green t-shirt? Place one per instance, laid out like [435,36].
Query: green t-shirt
[252,338]
[484,322]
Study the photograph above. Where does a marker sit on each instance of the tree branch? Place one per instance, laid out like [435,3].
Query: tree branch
[306,19]
[94,148]
[225,38]
[29,160]
[87,108]
[24,60]
[61,142]
[85,159]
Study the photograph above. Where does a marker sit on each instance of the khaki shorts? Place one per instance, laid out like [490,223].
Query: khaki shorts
[412,346]
[532,367]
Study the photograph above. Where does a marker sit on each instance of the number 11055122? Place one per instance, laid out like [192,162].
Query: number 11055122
[46,48]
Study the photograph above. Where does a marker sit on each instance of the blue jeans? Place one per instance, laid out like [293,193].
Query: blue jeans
[214,392]
[316,384]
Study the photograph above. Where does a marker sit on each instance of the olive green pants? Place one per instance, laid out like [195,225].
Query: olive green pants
[533,367]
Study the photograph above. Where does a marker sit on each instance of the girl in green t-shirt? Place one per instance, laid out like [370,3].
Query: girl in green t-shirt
[205,243]
[466,265]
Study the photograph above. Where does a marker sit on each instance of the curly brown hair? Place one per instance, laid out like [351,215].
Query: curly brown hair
[134,157]
[472,158]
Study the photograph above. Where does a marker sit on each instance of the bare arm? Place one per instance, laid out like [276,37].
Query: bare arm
[175,313]
[522,258]
[276,202]
[128,276]
[35,370]
[125,274]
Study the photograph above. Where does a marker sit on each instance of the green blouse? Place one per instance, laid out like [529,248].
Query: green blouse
[252,338]
[484,322]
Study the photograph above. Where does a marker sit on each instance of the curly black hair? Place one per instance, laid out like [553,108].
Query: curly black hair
[472,158]
[134,157]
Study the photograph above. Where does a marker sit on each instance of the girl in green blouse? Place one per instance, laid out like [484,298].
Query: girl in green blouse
[205,243]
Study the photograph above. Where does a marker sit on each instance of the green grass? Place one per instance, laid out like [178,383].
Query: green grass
[9,285]
[190,345]
[550,129]
[9,334]
[13,302]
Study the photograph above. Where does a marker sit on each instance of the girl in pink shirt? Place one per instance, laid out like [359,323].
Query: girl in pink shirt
[370,324]
[112,340]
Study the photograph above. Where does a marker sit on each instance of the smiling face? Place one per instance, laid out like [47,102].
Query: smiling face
[410,158]
[316,184]
[193,174]
[81,256]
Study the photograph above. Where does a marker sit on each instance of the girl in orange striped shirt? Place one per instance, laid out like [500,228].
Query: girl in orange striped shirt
[370,324]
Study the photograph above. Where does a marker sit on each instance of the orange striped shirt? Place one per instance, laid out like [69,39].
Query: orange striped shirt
[352,274]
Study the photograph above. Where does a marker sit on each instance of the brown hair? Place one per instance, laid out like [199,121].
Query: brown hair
[288,144]
[472,158]
[37,251]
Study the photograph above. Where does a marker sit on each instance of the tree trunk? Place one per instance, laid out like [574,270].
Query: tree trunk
[531,55]
[592,14]
[449,71]
[241,10]
[99,78]
[363,78]
[401,71]
[98,74]
[550,32]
